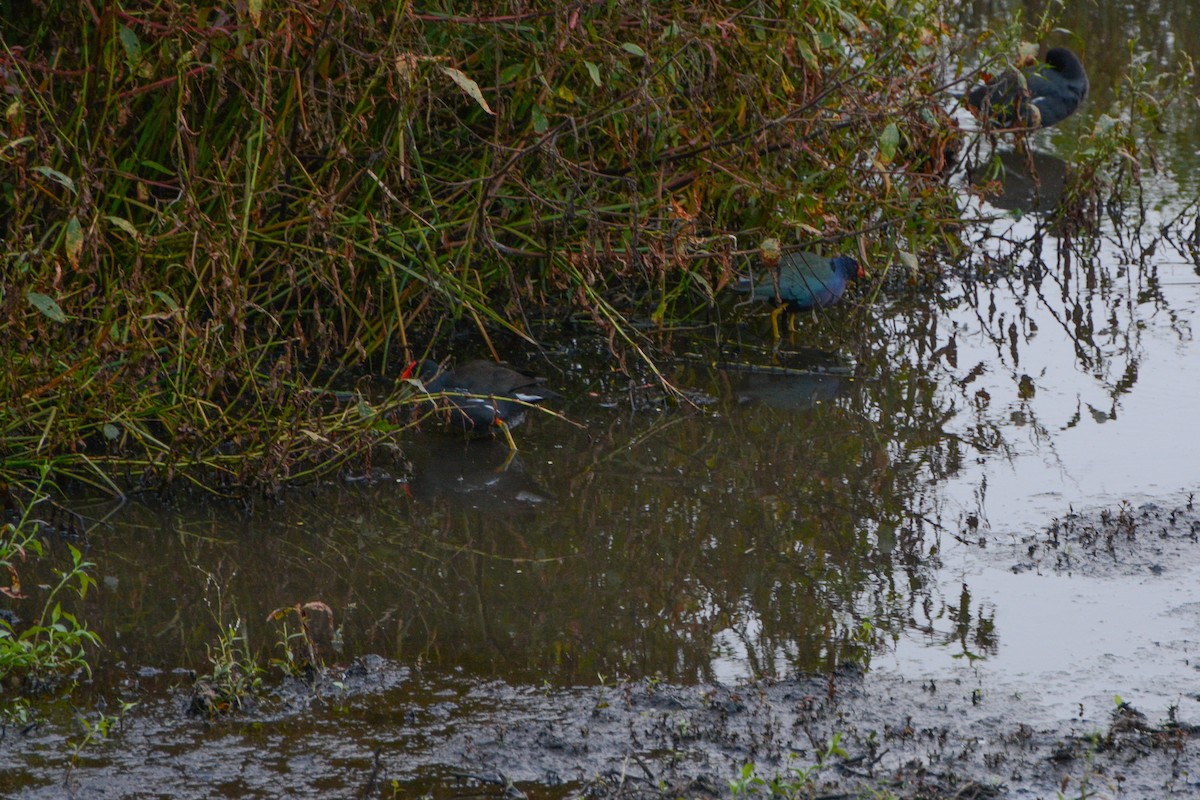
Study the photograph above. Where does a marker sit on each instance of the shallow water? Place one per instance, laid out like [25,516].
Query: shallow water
[874,508]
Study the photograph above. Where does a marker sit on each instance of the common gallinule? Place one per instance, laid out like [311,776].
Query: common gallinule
[480,397]
[803,281]
[1038,96]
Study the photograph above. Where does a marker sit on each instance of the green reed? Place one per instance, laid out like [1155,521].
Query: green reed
[214,215]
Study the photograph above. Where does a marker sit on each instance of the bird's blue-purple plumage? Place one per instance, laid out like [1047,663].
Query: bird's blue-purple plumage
[805,281]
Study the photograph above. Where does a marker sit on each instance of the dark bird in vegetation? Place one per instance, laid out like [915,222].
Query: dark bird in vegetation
[800,281]
[1038,96]
[480,397]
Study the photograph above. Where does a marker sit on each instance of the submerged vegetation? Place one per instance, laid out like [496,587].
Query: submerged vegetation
[212,216]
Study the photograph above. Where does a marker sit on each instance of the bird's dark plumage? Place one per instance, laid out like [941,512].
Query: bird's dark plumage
[479,396]
[1036,97]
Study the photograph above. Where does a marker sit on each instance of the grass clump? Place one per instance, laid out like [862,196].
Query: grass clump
[212,215]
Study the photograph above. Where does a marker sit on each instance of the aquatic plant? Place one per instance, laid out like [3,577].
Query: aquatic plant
[1106,173]
[302,649]
[56,644]
[234,679]
[100,728]
[793,781]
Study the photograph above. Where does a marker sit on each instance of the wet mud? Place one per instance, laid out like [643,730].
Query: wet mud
[1124,541]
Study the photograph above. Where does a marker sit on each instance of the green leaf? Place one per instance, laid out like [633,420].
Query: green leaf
[469,86]
[45,304]
[166,298]
[633,49]
[133,47]
[157,167]
[1104,124]
[806,53]
[111,432]
[54,174]
[24,140]
[511,72]
[889,140]
[540,123]
[123,224]
[74,240]
[593,71]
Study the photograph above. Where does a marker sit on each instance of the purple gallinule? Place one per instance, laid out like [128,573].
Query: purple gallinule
[1038,96]
[480,397]
[803,281]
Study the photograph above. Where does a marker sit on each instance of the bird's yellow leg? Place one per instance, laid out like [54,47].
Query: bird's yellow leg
[775,330]
[775,322]
[508,437]
[512,446]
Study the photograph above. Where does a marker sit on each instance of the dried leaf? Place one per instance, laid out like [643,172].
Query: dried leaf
[469,86]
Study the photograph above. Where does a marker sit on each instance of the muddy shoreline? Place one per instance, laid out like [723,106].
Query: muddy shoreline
[907,737]
[379,728]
